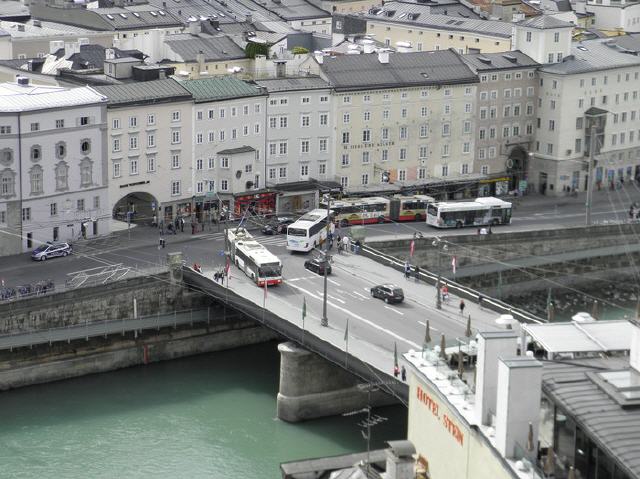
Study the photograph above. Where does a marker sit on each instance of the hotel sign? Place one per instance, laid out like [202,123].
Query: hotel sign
[447,422]
[368,145]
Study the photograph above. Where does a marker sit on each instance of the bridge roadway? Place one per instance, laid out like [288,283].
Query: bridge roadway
[375,328]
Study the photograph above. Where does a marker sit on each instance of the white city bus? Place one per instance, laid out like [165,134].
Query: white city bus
[309,231]
[257,262]
[480,212]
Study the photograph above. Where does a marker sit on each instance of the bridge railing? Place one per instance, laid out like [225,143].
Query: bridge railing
[458,289]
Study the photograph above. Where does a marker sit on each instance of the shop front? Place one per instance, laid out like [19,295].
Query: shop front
[497,186]
[259,202]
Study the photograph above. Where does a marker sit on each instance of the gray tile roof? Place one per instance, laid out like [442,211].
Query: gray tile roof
[592,55]
[157,91]
[187,47]
[220,88]
[544,22]
[354,72]
[498,61]
[136,17]
[417,15]
[293,84]
[294,9]
[409,9]
[614,429]
[627,43]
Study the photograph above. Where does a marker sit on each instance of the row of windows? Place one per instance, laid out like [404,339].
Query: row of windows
[421,174]
[485,77]
[605,79]
[508,111]
[404,95]
[423,154]
[116,143]
[234,111]
[282,121]
[403,132]
[53,209]
[305,100]
[175,117]
[275,173]
[35,151]
[507,131]
[36,178]
[506,93]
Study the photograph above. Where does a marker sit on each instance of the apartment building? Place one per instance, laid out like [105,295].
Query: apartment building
[299,130]
[402,118]
[150,149]
[506,118]
[398,24]
[53,184]
[228,141]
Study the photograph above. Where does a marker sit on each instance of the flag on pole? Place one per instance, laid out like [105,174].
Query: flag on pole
[395,356]
[346,331]
[453,264]
[412,248]
[265,290]
[304,309]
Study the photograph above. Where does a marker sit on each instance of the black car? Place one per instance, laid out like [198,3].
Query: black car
[278,225]
[269,230]
[317,265]
[388,292]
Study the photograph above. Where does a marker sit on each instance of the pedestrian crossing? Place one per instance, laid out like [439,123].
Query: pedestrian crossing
[275,240]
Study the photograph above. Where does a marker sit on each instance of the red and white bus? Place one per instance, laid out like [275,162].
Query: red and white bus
[377,209]
[409,208]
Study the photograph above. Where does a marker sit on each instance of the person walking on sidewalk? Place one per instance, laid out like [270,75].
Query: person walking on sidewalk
[182,225]
[417,272]
[462,305]
[407,269]
[403,374]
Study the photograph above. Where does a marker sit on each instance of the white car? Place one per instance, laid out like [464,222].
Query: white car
[51,250]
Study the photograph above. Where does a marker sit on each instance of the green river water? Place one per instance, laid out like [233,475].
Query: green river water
[210,416]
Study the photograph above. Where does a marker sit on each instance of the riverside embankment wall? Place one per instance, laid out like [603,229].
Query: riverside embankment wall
[501,264]
[154,295]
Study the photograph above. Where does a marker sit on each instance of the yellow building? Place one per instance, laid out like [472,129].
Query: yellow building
[403,118]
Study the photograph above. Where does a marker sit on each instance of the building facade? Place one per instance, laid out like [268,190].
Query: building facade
[506,118]
[53,177]
[299,130]
[228,141]
[402,118]
[597,78]
[150,150]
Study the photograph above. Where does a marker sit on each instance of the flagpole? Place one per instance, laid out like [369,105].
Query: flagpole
[346,346]
[304,314]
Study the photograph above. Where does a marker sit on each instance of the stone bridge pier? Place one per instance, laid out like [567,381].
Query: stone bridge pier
[312,387]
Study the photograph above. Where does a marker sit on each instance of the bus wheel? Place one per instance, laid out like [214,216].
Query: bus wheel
[459,224]
[344,223]
[495,222]
[381,219]
[418,217]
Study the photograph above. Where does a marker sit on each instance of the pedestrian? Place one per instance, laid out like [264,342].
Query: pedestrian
[480,298]
[193,227]
[407,269]
[445,292]
[161,227]
[417,271]
[338,238]
[357,246]
[404,374]
[396,371]
[176,223]
[154,221]
[345,244]
[489,231]
[462,305]
[170,227]
[182,225]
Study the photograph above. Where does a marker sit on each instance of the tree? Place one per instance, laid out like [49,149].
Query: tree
[252,49]
[299,50]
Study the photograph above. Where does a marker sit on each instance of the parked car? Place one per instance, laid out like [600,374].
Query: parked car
[282,222]
[268,230]
[51,250]
[317,265]
[388,292]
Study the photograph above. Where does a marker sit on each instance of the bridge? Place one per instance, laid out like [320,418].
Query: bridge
[364,336]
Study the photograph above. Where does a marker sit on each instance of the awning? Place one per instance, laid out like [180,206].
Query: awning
[572,337]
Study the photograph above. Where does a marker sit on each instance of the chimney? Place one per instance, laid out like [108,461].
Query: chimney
[200,60]
[519,390]
[400,461]
[281,69]
[194,27]
[367,45]
[248,17]
[109,54]
[70,49]
[55,45]
[162,74]
[383,56]
[491,346]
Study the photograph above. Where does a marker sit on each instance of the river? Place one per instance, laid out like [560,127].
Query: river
[209,416]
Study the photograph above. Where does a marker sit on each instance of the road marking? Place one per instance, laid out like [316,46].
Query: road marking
[332,297]
[394,310]
[431,328]
[334,282]
[360,318]
[361,295]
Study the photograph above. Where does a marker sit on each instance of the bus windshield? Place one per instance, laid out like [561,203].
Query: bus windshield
[296,232]
[270,270]
[432,210]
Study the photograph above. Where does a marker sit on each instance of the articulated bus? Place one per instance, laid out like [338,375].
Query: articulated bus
[358,211]
[257,262]
[309,231]
[480,212]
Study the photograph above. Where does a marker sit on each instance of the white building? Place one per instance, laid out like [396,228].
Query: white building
[299,130]
[149,134]
[597,77]
[53,183]
[615,14]
[228,140]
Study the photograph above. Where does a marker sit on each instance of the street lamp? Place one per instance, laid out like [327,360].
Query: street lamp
[596,119]
[325,321]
